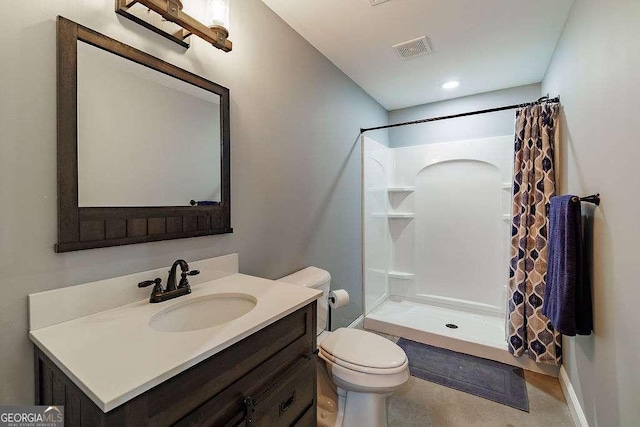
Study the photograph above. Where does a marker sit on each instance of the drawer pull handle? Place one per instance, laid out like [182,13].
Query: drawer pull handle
[249,409]
[287,403]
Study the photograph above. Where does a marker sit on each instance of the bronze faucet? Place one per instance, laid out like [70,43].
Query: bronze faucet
[172,291]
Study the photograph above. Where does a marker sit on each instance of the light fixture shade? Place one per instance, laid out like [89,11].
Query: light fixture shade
[217,14]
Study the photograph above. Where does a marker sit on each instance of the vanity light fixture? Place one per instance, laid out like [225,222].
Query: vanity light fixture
[189,15]
[450,84]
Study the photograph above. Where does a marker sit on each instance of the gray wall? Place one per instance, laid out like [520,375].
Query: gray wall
[295,121]
[595,71]
[472,127]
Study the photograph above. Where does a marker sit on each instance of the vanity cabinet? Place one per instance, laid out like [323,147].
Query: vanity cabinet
[266,379]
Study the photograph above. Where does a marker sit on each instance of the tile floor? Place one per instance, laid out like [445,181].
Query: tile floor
[423,403]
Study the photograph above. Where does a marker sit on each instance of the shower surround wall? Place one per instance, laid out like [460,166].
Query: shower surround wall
[375,169]
[437,223]
[454,249]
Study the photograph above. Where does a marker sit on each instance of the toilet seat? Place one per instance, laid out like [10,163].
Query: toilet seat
[359,368]
[363,351]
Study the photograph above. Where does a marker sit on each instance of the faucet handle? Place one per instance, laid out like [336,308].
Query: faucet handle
[146,283]
[157,288]
[184,282]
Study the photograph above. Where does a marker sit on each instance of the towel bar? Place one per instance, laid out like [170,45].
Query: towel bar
[594,198]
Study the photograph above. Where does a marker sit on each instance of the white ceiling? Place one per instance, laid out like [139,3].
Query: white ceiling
[486,44]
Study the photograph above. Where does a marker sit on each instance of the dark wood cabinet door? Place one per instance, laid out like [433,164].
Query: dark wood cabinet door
[287,401]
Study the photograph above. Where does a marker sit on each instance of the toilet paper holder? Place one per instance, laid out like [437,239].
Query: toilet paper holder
[336,299]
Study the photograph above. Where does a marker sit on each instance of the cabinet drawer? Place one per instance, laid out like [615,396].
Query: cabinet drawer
[228,408]
[215,377]
[289,399]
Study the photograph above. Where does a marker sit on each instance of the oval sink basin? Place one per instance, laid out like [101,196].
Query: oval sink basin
[202,312]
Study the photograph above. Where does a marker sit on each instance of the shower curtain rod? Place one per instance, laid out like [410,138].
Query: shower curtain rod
[470,113]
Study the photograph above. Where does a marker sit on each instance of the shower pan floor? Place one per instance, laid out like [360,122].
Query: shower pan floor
[484,329]
[480,335]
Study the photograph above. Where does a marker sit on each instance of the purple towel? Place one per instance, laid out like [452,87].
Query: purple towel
[567,295]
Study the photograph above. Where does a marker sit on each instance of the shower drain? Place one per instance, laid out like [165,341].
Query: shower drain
[451,326]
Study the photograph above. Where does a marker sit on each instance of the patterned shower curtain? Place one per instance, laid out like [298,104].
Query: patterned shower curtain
[533,187]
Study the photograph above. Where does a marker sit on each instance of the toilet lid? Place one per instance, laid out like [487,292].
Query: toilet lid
[363,348]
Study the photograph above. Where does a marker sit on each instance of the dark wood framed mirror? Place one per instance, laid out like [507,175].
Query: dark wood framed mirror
[143,146]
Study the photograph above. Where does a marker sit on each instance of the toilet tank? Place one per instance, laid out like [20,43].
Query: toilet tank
[316,278]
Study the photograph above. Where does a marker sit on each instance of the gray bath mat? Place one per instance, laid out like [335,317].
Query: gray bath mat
[485,378]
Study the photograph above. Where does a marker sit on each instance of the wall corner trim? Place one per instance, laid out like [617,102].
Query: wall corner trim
[577,413]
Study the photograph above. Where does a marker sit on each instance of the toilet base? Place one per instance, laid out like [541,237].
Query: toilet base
[339,407]
[362,409]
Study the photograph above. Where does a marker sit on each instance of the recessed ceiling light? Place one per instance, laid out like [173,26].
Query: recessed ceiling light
[450,84]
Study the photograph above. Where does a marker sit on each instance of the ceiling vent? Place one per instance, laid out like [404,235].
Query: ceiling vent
[414,48]
[376,2]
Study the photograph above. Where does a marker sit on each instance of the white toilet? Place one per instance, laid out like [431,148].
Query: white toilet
[358,369]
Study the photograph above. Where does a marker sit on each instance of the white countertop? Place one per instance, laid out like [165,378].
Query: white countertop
[114,355]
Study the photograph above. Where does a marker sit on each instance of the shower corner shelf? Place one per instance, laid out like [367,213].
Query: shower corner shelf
[400,275]
[394,215]
[400,189]
[391,190]
[506,217]
[392,274]
[506,186]
[403,215]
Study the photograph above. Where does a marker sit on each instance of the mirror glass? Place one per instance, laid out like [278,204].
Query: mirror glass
[144,138]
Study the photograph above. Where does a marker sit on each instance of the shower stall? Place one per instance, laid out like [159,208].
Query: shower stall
[436,222]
